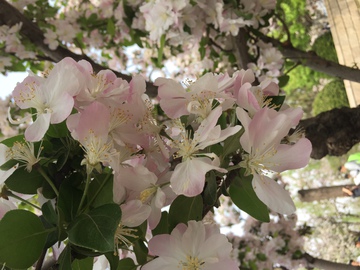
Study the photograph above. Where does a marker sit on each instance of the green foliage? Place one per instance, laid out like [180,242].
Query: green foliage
[295,15]
[22,239]
[244,197]
[184,209]
[332,96]
[325,48]
[100,223]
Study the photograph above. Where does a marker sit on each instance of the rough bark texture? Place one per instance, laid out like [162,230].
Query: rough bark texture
[333,132]
[327,265]
[323,193]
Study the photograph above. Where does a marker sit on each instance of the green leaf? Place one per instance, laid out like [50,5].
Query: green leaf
[84,264]
[244,197]
[163,226]
[141,251]
[22,239]
[49,212]
[113,260]
[110,27]
[58,130]
[69,200]
[25,182]
[275,101]
[184,209]
[9,164]
[210,192]
[283,80]
[101,190]
[65,258]
[10,141]
[96,229]
[231,144]
[126,264]
[161,51]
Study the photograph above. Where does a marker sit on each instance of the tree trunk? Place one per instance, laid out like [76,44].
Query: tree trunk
[327,265]
[333,132]
[323,193]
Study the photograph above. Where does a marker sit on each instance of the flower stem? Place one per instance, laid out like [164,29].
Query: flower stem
[87,184]
[48,180]
[10,194]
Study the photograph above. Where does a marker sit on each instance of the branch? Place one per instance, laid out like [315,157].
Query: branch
[312,60]
[333,132]
[241,49]
[11,16]
[327,265]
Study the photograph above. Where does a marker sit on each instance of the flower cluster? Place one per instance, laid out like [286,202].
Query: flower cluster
[87,128]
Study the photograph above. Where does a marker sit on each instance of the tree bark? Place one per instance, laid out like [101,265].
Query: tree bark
[327,265]
[333,132]
[323,193]
[312,60]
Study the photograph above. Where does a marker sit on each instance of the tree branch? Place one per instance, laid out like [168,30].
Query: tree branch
[333,132]
[327,265]
[11,16]
[241,49]
[312,60]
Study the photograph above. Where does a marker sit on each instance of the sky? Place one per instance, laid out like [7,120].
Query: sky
[8,83]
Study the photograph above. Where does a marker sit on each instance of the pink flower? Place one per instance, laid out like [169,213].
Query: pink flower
[196,99]
[189,176]
[52,97]
[91,129]
[265,153]
[196,246]
[103,86]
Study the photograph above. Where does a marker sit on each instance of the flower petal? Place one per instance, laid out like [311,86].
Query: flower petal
[36,131]
[273,195]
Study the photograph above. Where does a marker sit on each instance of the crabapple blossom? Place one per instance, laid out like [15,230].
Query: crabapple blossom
[24,152]
[265,153]
[253,98]
[196,99]
[52,97]
[91,127]
[195,246]
[189,176]
[104,87]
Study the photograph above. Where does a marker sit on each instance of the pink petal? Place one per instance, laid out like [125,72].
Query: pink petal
[273,195]
[289,157]
[189,176]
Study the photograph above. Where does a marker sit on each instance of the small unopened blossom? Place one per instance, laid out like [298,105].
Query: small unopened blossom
[193,247]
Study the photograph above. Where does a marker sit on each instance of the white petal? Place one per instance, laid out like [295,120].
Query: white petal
[36,131]
[273,195]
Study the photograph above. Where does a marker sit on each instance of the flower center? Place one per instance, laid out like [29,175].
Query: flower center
[121,234]
[24,152]
[258,162]
[191,263]
[146,194]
